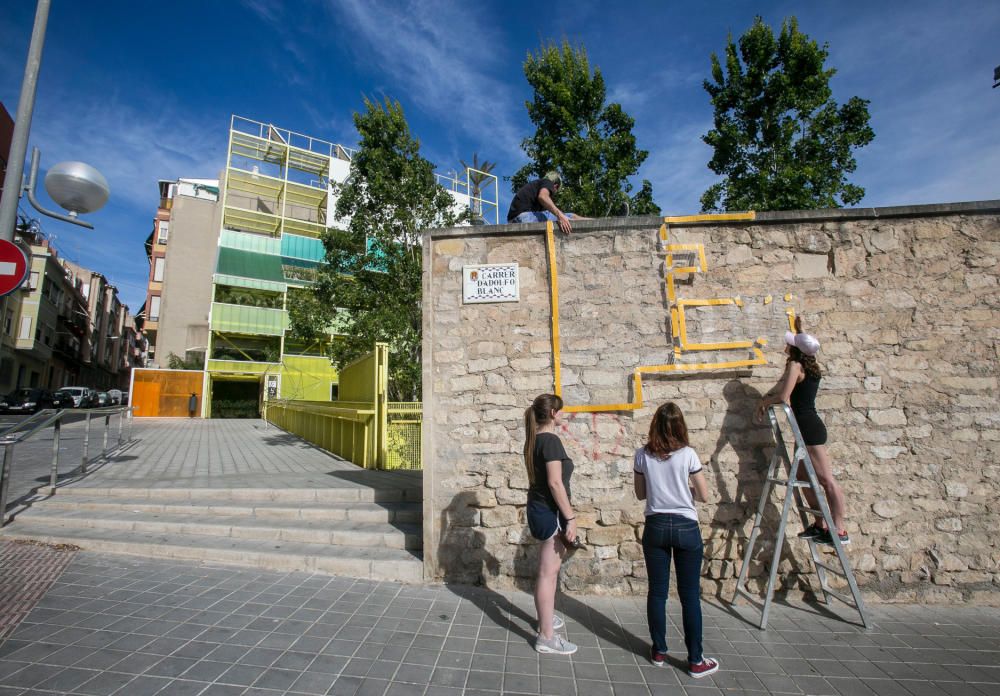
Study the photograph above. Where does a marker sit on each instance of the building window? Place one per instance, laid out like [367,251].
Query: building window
[158,264]
[33,282]
[25,328]
[154,308]
[8,323]
[163,233]
[334,391]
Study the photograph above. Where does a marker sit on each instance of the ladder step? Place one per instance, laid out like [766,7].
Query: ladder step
[753,599]
[811,511]
[794,484]
[827,566]
[849,601]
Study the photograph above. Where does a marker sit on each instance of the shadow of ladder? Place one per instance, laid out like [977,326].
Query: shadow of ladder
[793,485]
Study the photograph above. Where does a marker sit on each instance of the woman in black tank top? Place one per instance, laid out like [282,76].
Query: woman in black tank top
[797,388]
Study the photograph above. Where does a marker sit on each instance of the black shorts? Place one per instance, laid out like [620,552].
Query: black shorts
[812,429]
[543,521]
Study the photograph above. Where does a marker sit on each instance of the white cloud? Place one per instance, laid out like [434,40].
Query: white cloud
[132,146]
[432,52]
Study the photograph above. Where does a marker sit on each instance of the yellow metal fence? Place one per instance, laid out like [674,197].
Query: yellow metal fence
[373,433]
[347,432]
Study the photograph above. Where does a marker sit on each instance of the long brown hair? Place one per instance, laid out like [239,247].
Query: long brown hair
[668,432]
[808,362]
[539,413]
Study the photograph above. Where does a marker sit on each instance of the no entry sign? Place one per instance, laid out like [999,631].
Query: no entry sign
[13,267]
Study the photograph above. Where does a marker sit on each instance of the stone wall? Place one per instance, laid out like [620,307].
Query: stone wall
[905,302]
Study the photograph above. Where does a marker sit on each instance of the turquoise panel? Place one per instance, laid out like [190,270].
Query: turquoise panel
[247,241]
[299,247]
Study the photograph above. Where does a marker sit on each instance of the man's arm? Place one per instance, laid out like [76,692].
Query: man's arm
[545,198]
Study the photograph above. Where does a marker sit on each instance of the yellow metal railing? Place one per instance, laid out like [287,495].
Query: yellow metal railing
[346,432]
[365,427]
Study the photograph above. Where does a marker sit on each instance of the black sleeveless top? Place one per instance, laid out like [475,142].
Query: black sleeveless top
[804,396]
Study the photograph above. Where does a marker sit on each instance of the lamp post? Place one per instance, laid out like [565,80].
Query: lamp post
[74,185]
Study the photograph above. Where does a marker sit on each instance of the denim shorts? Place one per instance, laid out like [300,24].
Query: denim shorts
[543,521]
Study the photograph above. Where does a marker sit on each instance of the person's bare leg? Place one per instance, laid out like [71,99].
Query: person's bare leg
[820,457]
[549,561]
[811,500]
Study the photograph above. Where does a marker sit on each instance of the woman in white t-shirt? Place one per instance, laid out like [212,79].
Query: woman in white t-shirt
[668,477]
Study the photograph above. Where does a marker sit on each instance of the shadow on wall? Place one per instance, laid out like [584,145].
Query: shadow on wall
[732,520]
[465,560]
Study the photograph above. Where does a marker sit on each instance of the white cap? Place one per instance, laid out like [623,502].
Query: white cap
[807,343]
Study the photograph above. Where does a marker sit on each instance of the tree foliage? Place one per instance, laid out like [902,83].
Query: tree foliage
[780,140]
[370,284]
[576,132]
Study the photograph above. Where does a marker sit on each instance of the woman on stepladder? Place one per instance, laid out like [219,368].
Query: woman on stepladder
[668,477]
[550,514]
[797,388]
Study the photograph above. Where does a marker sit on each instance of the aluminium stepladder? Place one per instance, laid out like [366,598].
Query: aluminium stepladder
[800,458]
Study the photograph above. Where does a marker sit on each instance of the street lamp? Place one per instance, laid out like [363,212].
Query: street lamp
[77,187]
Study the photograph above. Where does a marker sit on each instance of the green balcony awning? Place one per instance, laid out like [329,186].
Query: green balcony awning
[248,264]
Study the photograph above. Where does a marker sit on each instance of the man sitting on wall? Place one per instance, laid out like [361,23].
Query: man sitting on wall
[533,203]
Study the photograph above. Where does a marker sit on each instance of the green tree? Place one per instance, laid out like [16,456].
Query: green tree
[576,132]
[781,142]
[370,282]
[188,362]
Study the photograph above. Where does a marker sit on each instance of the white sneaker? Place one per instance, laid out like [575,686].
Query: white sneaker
[558,623]
[556,646]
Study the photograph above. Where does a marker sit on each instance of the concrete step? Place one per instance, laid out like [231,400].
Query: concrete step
[374,563]
[332,532]
[354,511]
[295,496]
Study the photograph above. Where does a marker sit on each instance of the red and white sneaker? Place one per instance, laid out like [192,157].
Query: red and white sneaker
[656,657]
[701,669]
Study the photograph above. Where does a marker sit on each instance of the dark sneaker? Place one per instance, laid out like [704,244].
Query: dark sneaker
[812,531]
[826,538]
[656,657]
[707,666]
[556,646]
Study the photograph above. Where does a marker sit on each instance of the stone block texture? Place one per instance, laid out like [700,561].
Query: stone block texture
[905,303]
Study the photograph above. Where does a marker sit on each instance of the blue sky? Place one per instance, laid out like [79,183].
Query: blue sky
[144,91]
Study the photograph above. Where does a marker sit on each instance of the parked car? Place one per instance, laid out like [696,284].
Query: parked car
[116,396]
[83,397]
[103,399]
[27,400]
[63,399]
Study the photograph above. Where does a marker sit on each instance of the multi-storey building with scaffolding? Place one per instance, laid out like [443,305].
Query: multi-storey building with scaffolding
[223,272]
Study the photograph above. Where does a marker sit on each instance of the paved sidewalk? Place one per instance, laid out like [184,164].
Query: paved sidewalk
[127,626]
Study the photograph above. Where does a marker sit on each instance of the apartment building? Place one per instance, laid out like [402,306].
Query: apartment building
[227,256]
[181,250]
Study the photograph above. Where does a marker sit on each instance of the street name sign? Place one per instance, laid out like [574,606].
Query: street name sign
[496,282]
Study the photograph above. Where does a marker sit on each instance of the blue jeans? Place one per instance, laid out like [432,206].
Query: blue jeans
[538,216]
[679,536]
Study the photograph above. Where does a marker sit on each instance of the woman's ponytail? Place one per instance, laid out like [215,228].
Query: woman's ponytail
[539,413]
[530,428]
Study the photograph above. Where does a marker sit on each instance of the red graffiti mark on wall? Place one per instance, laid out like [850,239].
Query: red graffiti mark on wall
[592,445]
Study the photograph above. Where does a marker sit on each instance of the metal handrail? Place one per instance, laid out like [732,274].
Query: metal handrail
[21,424]
[10,440]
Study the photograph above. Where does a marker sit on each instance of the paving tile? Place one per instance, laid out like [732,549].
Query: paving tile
[105,683]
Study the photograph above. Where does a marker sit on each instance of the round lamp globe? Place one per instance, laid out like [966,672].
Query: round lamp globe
[77,187]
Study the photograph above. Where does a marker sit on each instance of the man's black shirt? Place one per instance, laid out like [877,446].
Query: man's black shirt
[526,199]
